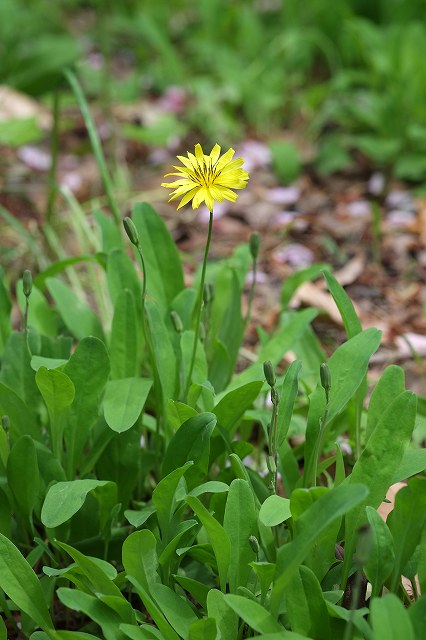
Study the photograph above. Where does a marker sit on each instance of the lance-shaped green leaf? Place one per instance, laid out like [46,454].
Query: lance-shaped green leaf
[306,607]
[389,619]
[382,556]
[123,402]
[240,522]
[288,395]
[389,386]
[164,499]
[175,609]
[89,370]
[163,265]
[375,467]
[23,475]
[406,524]
[309,526]
[162,351]
[78,317]
[233,404]
[21,584]
[218,537]
[348,366]
[344,304]
[256,616]
[125,337]
[16,372]
[23,420]
[106,618]
[226,618]
[64,499]
[191,442]
[58,392]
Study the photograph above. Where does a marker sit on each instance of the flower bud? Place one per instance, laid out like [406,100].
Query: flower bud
[325,376]
[207,293]
[177,321]
[132,232]
[5,423]
[254,543]
[27,283]
[254,244]
[268,370]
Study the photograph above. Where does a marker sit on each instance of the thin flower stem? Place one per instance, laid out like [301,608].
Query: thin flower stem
[96,144]
[251,294]
[199,306]
[320,441]
[273,441]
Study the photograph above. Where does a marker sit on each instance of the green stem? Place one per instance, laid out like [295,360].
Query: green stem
[199,306]
[96,144]
[320,441]
[251,294]
[54,152]
[273,441]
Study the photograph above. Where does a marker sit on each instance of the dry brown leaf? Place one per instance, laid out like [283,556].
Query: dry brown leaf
[17,106]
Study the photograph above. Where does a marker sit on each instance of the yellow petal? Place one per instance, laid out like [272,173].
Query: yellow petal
[215,153]
[187,198]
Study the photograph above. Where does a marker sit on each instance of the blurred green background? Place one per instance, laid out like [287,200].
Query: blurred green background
[347,74]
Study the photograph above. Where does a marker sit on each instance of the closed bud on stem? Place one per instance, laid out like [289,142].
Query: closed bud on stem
[177,322]
[5,423]
[27,283]
[207,293]
[132,232]
[254,544]
[325,376]
[202,333]
[268,370]
[254,244]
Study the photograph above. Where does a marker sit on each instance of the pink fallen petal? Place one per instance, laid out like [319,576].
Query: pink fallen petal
[283,195]
[296,255]
[34,158]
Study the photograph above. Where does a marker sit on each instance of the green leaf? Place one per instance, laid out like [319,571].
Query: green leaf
[406,524]
[240,522]
[389,619]
[5,309]
[163,265]
[413,462]
[288,397]
[124,343]
[76,314]
[417,613]
[348,366]
[274,511]
[106,618]
[140,558]
[167,632]
[175,609]
[225,617]
[256,616]
[382,556]
[40,315]
[58,393]
[23,475]
[191,442]
[204,629]
[111,237]
[308,527]
[64,499]
[306,608]
[218,537]
[124,401]
[163,351]
[347,311]
[389,386]
[20,583]
[225,326]
[233,405]
[22,420]
[16,372]
[98,574]
[375,467]
[89,369]
[121,275]
[286,160]
[164,499]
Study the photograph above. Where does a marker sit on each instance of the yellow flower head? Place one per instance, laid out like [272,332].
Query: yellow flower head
[207,178]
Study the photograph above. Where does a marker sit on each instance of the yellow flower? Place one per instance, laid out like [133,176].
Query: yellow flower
[207,178]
